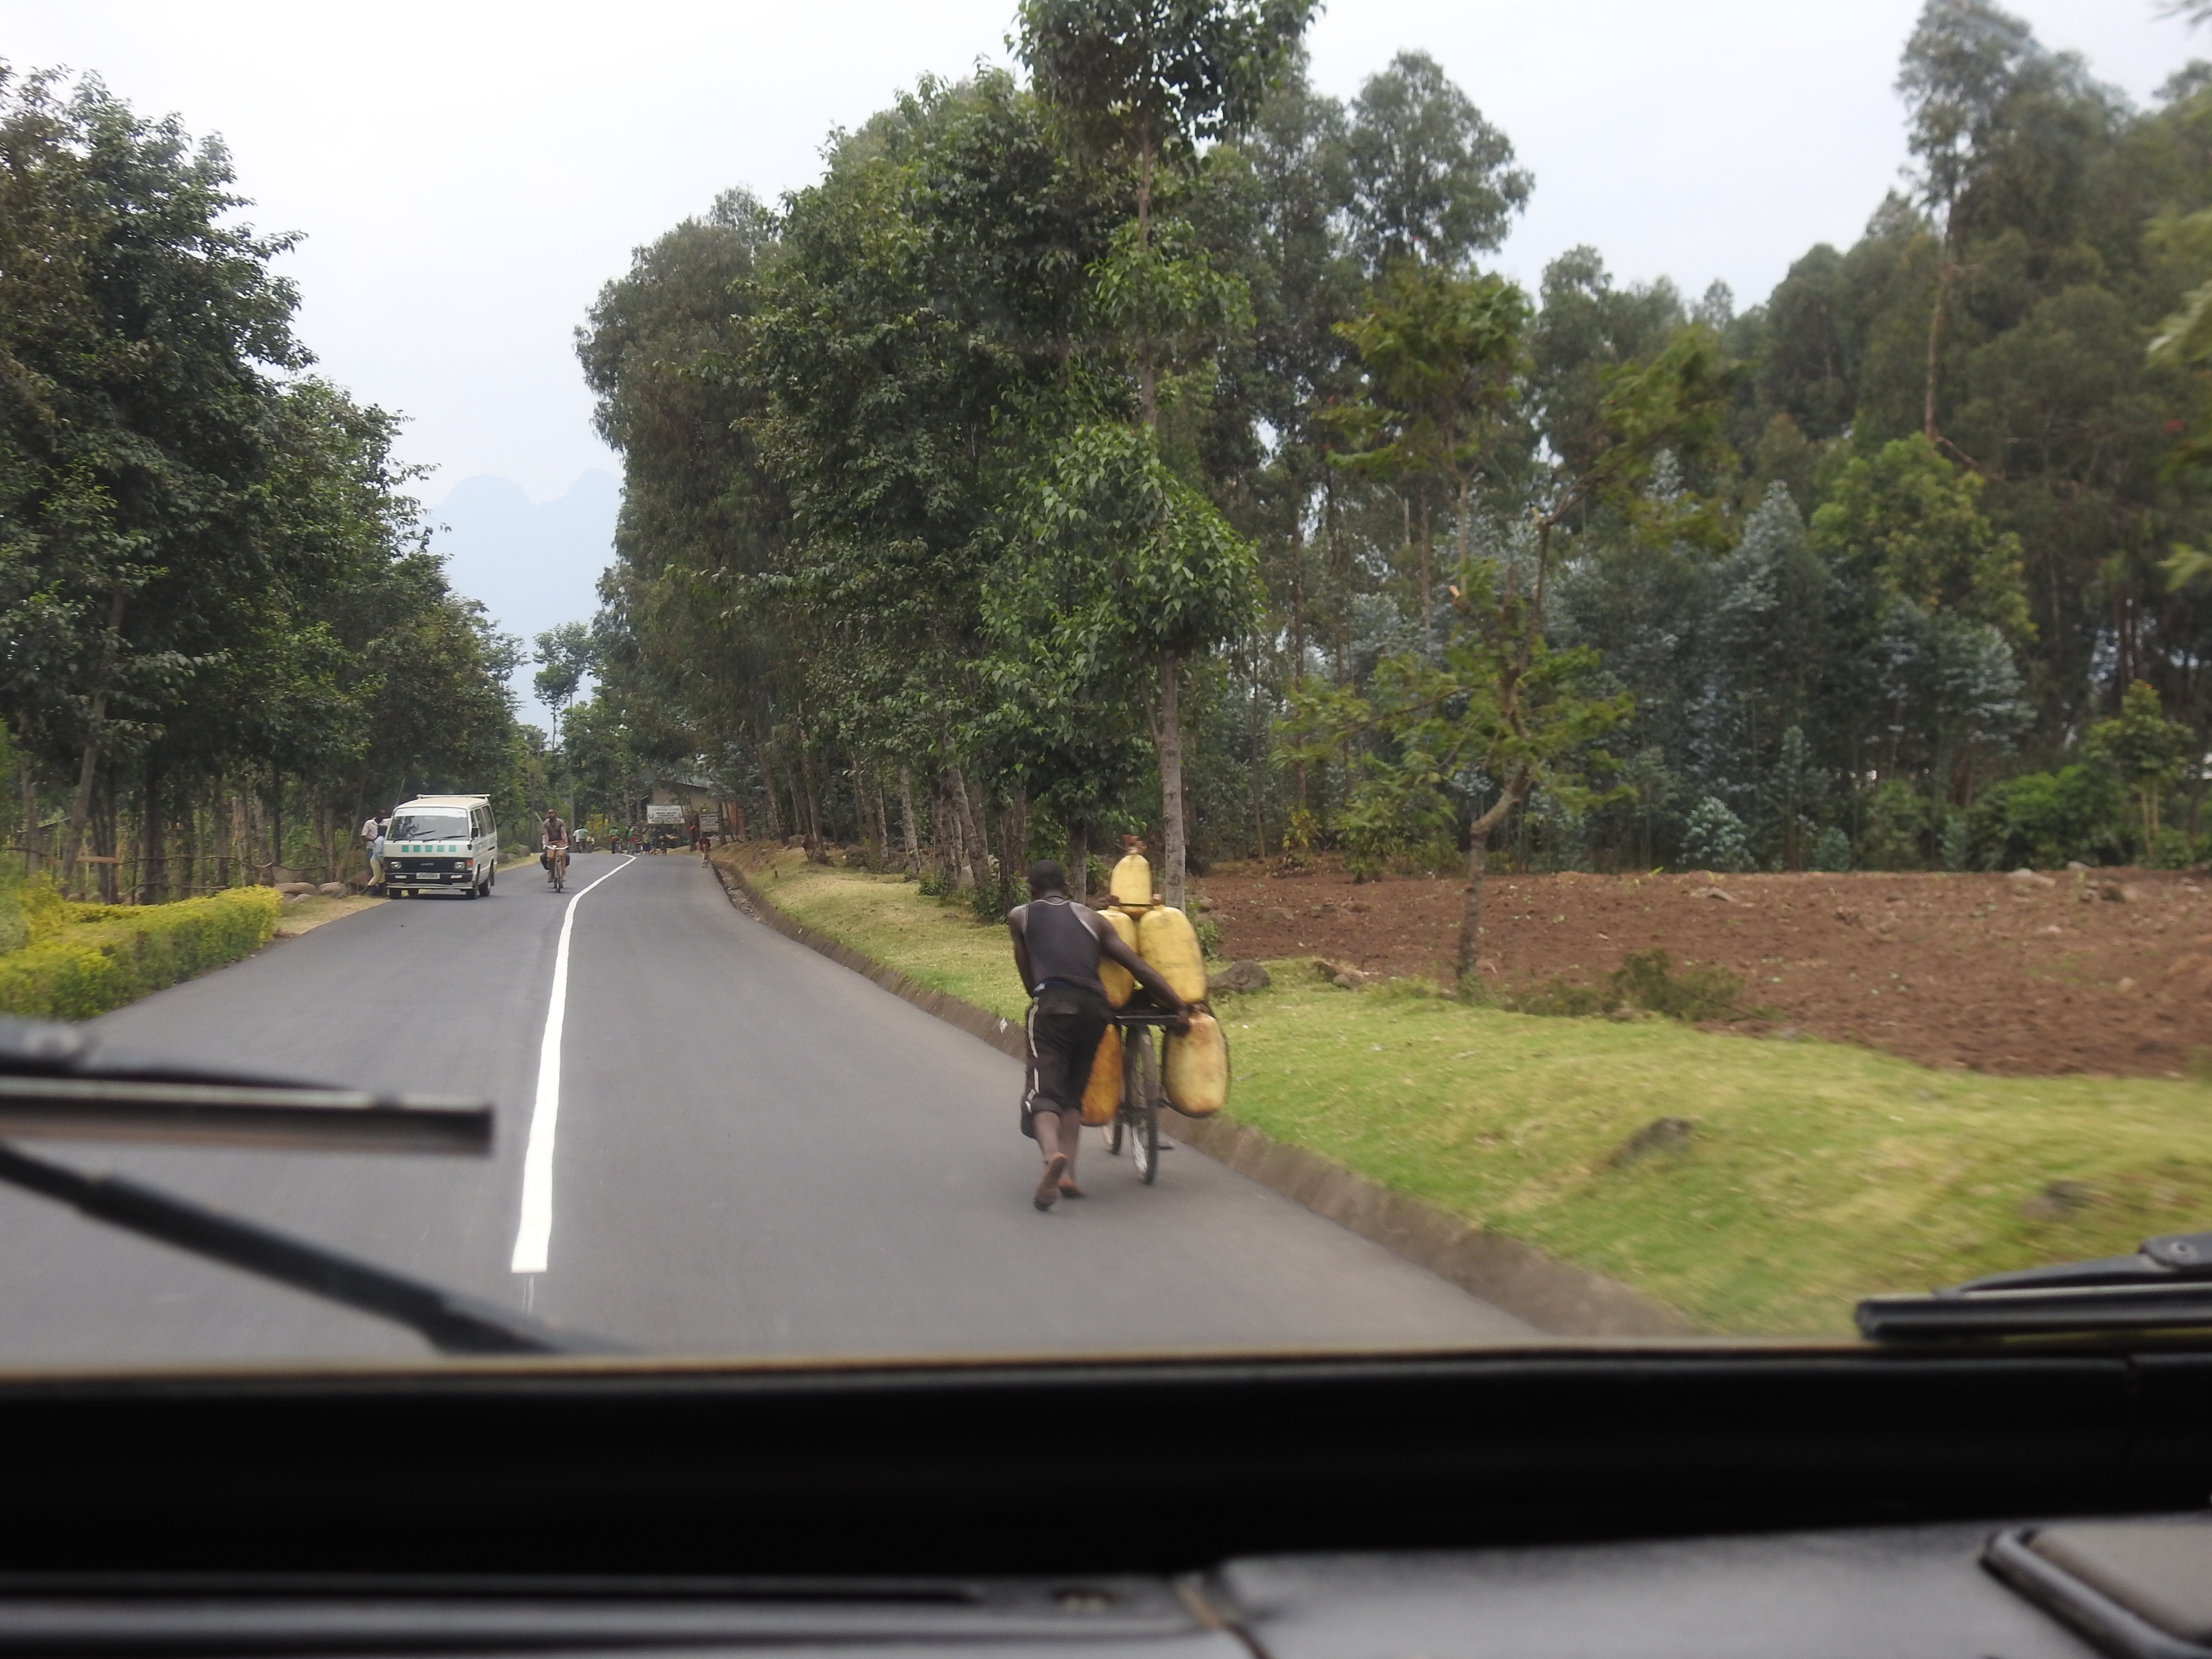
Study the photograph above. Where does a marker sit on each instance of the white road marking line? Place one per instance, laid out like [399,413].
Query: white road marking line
[534,1233]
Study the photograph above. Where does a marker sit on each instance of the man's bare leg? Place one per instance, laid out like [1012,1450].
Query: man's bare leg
[1071,1142]
[1053,1145]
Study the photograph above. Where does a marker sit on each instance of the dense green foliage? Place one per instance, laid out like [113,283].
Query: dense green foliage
[1148,434]
[81,960]
[223,635]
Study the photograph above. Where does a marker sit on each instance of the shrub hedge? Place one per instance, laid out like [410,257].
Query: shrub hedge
[84,959]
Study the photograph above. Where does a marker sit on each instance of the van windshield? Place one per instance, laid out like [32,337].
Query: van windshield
[428,826]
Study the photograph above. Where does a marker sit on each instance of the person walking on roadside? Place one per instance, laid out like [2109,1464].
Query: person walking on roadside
[1057,947]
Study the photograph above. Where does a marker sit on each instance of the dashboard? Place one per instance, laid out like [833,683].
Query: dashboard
[1597,1500]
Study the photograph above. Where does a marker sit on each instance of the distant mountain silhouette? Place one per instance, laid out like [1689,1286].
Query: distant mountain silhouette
[533,564]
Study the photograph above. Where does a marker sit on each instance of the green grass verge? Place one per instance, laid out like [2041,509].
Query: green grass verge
[1814,1172]
[940,946]
[79,960]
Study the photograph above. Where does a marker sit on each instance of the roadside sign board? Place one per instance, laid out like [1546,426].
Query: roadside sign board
[670,813]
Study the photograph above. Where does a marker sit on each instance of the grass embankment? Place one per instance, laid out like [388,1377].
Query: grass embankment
[1812,1173]
[73,961]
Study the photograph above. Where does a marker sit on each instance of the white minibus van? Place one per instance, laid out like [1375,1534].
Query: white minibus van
[441,844]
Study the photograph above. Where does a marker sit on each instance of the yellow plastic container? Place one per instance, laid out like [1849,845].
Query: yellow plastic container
[1103,1093]
[1198,1068]
[1132,884]
[1167,940]
[1119,984]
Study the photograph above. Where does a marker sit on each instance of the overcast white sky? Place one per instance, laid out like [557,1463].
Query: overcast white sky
[468,174]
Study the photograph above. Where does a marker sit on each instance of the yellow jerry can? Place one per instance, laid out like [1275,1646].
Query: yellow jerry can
[1167,940]
[1103,1093]
[1133,882]
[1198,1068]
[1117,980]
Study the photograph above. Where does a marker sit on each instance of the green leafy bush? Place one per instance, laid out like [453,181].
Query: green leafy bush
[1714,838]
[1898,825]
[2043,819]
[84,959]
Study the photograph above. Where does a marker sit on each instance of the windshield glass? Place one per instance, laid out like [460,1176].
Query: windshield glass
[1600,692]
[428,826]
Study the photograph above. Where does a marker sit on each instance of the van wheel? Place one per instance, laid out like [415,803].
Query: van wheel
[472,892]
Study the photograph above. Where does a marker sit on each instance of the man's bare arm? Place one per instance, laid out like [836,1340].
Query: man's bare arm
[1015,918]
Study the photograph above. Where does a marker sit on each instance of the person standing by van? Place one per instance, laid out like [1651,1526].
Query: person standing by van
[379,823]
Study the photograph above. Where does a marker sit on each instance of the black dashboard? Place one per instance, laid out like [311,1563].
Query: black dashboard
[1668,1499]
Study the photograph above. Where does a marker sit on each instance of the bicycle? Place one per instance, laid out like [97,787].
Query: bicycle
[1136,1121]
[557,866]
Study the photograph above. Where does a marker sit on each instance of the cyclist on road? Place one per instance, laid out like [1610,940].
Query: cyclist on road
[557,842]
[1057,946]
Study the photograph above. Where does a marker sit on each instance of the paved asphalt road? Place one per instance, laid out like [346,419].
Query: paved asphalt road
[759,1152]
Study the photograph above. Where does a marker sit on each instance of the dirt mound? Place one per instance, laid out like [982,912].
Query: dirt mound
[2103,970]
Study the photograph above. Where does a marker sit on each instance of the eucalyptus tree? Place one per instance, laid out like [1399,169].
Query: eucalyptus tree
[1431,180]
[691,655]
[1441,358]
[1140,87]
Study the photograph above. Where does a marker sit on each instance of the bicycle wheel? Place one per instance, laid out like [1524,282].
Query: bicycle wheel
[1145,1119]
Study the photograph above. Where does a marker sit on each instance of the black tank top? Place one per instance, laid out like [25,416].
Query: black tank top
[1061,947]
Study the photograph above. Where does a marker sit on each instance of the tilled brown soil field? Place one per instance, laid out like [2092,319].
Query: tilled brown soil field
[2105,971]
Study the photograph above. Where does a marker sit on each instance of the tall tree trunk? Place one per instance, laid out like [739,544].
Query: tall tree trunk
[276,826]
[106,844]
[1173,853]
[906,823]
[944,835]
[769,788]
[873,851]
[184,841]
[1478,864]
[1944,270]
[26,786]
[811,806]
[1013,872]
[883,826]
[1078,862]
[88,765]
[152,886]
[1299,630]
[1428,582]
[971,828]
[1148,406]
[1339,581]
[1257,768]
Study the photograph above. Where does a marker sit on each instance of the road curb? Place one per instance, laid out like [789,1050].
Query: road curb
[1552,1295]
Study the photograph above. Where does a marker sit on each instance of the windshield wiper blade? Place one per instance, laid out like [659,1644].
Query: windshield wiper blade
[450,1321]
[54,1085]
[57,1084]
[2166,1285]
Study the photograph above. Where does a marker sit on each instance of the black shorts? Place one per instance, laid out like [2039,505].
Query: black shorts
[1065,1024]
